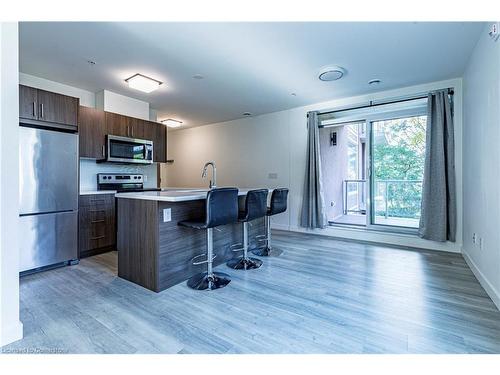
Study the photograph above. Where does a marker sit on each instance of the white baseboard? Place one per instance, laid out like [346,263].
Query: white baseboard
[11,334]
[488,287]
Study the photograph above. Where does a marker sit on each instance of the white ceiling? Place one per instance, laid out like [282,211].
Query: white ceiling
[248,67]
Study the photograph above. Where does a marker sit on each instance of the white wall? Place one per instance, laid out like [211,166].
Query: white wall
[11,328]
[482,163]
[247,150]
[116,103]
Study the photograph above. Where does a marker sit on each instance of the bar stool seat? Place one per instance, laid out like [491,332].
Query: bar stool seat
[255,207]
[278,205]
[221,209]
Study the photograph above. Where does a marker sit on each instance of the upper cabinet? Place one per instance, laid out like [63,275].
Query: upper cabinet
[125,126]
[92,133]
[28,108]
[40,106]
[159,142]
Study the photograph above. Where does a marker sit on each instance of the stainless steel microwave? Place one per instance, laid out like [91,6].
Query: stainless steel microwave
[129,150]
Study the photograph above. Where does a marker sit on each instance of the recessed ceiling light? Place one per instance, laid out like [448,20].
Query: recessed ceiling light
[247,114]
[142,83]
[331,73]
[198,76]
[171,123]
[374,82]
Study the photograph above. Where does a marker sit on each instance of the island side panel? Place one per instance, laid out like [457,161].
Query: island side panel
[137,242]
[178,245]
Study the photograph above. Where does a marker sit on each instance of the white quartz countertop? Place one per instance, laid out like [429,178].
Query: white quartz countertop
[93,192]
[173,194]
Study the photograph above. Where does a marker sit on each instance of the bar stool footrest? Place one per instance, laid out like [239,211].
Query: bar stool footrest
[197,263]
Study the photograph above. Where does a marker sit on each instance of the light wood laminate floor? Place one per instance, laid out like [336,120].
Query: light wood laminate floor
[320,296]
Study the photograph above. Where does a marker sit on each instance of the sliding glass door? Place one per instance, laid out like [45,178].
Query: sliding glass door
[397,168]
[373,165]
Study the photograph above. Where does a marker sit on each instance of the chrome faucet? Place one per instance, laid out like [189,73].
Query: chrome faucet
[214,174]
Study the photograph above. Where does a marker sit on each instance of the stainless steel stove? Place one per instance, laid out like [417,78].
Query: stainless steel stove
[122,182]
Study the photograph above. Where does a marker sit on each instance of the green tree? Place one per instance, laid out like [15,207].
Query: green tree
[399,154]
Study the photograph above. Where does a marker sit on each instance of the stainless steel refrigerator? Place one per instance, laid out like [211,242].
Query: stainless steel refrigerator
[48,187]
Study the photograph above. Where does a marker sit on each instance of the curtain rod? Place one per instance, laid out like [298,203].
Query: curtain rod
[371,104]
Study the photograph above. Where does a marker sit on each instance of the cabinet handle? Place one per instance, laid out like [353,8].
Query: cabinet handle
[97,221]
[41,110]
[103,151]
[34,109]
[97,238]
[97,210]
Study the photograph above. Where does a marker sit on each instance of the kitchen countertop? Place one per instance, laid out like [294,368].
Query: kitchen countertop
[92,192]
[173,195]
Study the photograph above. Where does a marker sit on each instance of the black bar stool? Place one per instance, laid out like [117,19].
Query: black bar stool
[278,205]
[255,207]
[221,209]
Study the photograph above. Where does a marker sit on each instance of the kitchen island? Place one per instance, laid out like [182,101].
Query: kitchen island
[155,252]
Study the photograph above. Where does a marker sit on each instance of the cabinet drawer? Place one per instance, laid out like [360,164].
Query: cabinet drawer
[97,228]
[96,200]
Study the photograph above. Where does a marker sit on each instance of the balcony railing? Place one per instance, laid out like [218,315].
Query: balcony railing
[392,198]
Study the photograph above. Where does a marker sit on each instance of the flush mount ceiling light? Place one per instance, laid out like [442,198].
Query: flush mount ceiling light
[331,73]
[171,123]
[142,83]
[247,114]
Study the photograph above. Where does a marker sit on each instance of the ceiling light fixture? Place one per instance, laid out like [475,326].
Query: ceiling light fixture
[142,83]
[331,73]
[247,114]
[198,76]
[171,123]
[374,82]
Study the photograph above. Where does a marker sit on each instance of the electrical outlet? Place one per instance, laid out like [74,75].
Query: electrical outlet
[332,203]
[474,238]
[167,215]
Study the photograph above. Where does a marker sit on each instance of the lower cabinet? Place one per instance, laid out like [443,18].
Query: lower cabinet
[97,224]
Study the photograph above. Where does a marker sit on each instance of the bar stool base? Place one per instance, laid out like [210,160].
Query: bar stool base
[202,281]
[244,264]
[267,252]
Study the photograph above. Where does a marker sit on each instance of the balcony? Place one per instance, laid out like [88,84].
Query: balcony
[395,203]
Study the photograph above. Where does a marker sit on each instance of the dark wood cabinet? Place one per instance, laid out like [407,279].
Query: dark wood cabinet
[57,108]
[125,126]
[159,142]
[97,224]
[48,107]
[28,103]
[118,124]
[92,133]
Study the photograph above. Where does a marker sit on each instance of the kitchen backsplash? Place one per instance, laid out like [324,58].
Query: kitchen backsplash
[89,169]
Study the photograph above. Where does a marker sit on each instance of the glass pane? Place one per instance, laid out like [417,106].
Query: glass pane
[398,154]
[343,168]
[126,150]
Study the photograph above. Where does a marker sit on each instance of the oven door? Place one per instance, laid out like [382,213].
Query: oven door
[129,150]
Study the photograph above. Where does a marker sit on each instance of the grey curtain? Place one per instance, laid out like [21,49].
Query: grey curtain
[313,213]
[438,220]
